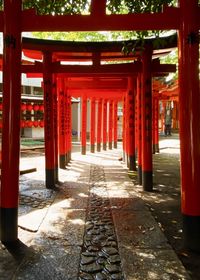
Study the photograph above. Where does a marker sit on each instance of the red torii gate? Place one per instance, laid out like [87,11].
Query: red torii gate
[185,19]
[96,70]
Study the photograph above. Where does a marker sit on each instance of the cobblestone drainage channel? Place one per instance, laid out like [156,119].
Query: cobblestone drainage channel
[100,257]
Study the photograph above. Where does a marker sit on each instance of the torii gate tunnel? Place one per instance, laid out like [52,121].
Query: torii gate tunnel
[184,19]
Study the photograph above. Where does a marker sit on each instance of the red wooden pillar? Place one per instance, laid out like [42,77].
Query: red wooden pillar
[110,125]
[67,119]
[55,118]
[92,124]
[139,134]
[124,129]
[131,124]
[104,124]
[49,121]
[62,131]
[164,103]
[153,125]
[156,125]
[146,113]
[11,121]
[115,123]
[99,125]
[66,122]
[127,132]
[83,125]
[189,121]
[69,127]
[136,120]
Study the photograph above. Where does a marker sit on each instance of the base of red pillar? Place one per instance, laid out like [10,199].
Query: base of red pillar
[104,146]
[50,178]
[127,160]
[147,181]
[56,174]
[92,148]
[8,224]
[70,155]
[157,148]
[98,147]
[115,145]
[62,161]
[139,171]
[191,232]
[67,160]
[110,145]
[132,164]
[124,156]
[153,149]
[83,150]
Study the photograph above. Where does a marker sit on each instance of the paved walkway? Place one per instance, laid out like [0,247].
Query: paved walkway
[95,226]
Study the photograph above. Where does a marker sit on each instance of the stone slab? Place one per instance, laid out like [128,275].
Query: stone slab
[53,260]
[138,229]
[64,224]
[161,264]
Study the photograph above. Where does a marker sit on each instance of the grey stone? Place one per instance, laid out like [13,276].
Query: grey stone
[87,243]
[101,260]
[99,237]
[89,227]
[114,259]
[87,260]
[117,276]
[89,254]
[110,243]
[113,268]
[101,254]
[110,250]
[91,268]
[85,276]
[101,276]
[93,249]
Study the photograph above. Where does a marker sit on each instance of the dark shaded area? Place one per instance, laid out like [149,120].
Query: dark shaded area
[164,203]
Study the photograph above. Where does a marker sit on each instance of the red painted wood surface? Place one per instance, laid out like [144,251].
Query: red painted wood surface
[62,128]
[146,113]
[83,122]
[11,105]
[131,117]
[139,124]
[105,117]
[92,121]
[115,123]
[48,114]
[99,123]
[189,107]
[110,124]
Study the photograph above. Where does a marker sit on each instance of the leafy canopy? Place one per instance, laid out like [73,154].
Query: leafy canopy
[59,7]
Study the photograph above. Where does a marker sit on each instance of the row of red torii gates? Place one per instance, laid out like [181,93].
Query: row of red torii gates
[138,79]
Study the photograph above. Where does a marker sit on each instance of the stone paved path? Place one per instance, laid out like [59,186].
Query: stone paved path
[100,257]
[96,226]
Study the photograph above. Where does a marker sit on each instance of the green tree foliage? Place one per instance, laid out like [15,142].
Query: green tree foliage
[80,6]
[57,7]
[140,6]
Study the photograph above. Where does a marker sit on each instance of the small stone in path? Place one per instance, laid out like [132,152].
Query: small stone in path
[112,268]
